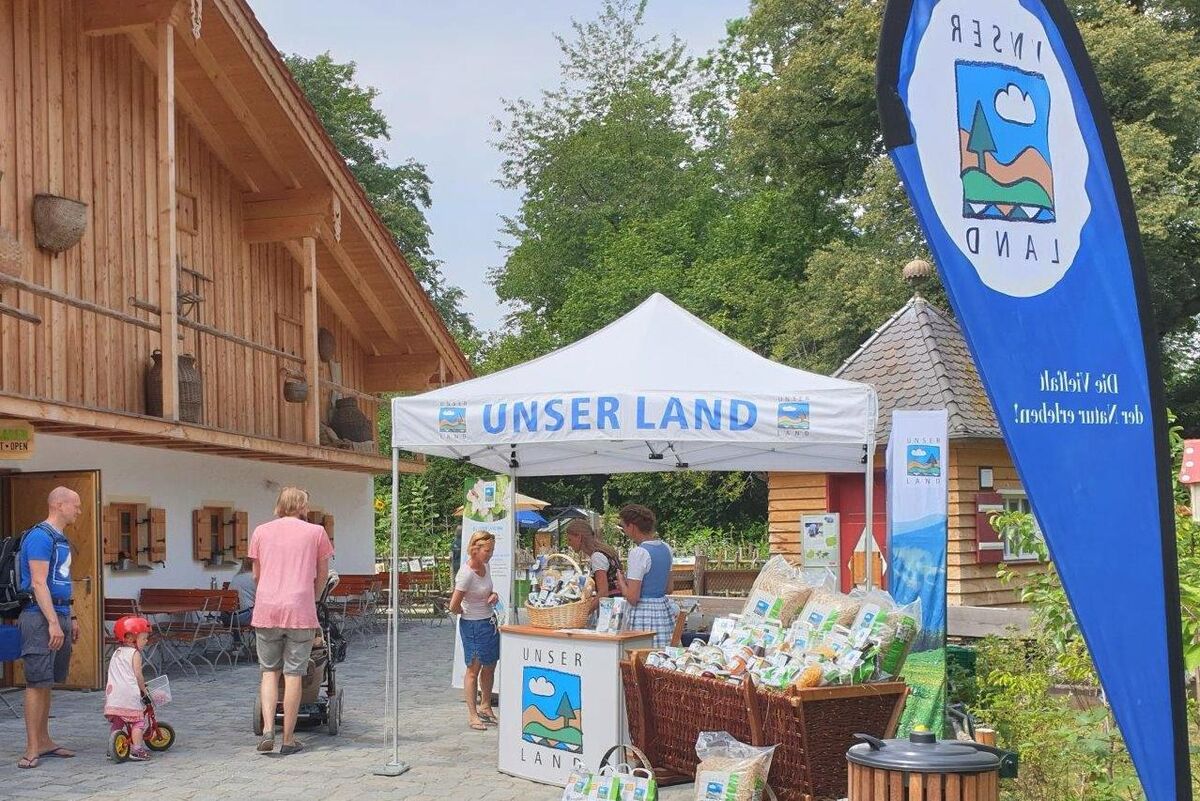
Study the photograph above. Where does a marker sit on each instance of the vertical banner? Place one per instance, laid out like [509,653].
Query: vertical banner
[994,118]
[488,507]
[916,498]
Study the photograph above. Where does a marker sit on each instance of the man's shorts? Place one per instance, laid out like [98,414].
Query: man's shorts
[43,667]
[284,649]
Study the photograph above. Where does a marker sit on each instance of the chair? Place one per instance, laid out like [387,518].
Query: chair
[114,610]
[193,633]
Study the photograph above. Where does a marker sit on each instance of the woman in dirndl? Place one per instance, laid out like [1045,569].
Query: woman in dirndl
[474,601]
[646,582]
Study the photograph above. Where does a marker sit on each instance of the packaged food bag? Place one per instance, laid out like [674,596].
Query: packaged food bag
[778,593]
[896,638]
[730,770]
[827,608]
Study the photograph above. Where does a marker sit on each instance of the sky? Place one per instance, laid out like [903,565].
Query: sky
[441,69]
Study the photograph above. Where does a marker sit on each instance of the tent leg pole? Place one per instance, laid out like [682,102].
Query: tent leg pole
[869,488]
[395,767]
[514,533]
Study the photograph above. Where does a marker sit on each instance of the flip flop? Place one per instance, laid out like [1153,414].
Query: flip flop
[266,746]
[477,725]
[26,763]
[489,717]
[58,753]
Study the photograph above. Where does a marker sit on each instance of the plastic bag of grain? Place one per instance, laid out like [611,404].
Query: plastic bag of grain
[779,592]
[896,639]
[827,608]
[730,770]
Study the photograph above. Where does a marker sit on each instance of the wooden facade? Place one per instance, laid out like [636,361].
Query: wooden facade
[221,223]
[968,581]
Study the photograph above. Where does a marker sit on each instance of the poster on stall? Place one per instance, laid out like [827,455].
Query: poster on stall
[995,120]
[487,508]
[916,498]
[820,539]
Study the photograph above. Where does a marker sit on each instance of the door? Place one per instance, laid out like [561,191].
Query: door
[846,496]
[26,495]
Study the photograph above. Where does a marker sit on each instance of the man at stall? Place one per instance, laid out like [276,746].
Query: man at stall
[647,581]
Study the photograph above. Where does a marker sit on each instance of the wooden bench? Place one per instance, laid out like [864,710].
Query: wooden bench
[196,621]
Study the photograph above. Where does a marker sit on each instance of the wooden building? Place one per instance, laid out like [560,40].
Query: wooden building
[918,359]
[167,188]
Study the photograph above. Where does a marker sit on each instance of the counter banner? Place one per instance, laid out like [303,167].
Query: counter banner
[488,507]
[916,497]
[994,119]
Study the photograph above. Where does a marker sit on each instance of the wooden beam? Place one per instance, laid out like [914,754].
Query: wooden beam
[360,284]
[399,373]
[100,423]
[104,17]
[312,363]
[241,110]
[168,241]
[79,303]
[339,307]
[144,43]
[281,229]
[288,204]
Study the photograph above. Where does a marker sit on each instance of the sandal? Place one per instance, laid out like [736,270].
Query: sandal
[59,752]
[489,717]
[285,750]
[266,746]
[477,725]
[26,762]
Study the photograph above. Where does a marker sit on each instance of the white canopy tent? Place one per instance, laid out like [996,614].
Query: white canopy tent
[657,390]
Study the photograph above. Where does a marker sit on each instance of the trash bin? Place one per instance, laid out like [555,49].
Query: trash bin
[922,768]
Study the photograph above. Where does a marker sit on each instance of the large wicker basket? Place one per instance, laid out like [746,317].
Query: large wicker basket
[58,222]
[813,728]
[568,616]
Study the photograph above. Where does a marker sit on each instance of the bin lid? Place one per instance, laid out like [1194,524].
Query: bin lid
[922,752]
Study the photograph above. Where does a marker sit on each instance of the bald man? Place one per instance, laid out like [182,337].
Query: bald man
[48,626]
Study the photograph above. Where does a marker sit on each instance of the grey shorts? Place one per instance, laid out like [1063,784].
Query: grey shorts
[284,649]
[43,667]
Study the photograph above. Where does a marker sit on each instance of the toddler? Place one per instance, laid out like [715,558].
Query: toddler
[125,698]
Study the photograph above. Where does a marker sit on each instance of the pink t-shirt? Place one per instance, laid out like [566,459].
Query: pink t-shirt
[287,550]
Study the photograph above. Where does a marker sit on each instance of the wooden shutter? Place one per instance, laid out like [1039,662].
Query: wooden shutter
[157,535]
[327,522]
[989,544]
[111,532]
[241,535]
[201,536]
[139,537]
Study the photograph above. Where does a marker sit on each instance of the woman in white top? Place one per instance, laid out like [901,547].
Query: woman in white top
[472,601]
[646,584]
[603,563]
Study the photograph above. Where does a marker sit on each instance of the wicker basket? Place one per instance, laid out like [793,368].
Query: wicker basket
[295,390]
[191,390]
[814,727]
[12,255]
[350,423]
[326,345]
[58,222]
[568,616]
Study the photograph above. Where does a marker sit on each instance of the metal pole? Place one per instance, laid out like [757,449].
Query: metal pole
[514,533]
[395,767]
[869,485]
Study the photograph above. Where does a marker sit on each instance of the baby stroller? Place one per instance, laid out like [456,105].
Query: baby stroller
[320,700]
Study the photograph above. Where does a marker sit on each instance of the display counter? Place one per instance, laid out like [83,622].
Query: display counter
[561,699]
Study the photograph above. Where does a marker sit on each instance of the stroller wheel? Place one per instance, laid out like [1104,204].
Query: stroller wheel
[162,739]
[119,746]
[258,721]
[334,714]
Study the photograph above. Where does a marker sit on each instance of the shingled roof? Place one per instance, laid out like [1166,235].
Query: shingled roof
[919,360]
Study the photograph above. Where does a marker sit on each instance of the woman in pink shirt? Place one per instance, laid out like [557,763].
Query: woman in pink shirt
[291,564]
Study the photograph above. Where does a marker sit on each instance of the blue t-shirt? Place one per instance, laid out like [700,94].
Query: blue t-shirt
[44,543]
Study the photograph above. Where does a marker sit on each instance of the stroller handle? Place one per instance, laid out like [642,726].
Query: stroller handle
[330,582]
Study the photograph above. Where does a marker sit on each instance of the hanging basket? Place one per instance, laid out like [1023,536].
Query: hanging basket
[326,344]
[58,222]
[295,390]
[12,255]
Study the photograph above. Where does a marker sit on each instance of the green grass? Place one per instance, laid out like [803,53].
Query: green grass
[569,735]
[979,187]
[925,673]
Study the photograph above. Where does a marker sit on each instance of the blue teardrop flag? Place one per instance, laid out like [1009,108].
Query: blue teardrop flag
[994,119]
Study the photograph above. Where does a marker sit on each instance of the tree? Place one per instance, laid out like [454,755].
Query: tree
[566,710]
[980,141]
[399,193]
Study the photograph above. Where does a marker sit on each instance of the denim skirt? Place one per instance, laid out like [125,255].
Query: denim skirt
[481,640]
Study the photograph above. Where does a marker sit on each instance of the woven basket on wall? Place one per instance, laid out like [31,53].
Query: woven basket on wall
[191,388]
[326,344]
[295,390]
[350,423]
[58,222]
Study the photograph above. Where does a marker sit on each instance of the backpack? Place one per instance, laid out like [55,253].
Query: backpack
[12,598]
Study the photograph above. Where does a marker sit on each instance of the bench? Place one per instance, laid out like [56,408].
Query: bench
[197,621]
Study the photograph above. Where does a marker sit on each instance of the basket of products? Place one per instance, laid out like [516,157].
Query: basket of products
[802,666]
[562,596]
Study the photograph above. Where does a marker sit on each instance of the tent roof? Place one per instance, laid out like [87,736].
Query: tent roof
[662,374]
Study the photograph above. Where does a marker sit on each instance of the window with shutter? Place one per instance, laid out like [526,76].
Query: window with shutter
[1018,502]
[241,535]
[989,545]
[201,536]
[111,534]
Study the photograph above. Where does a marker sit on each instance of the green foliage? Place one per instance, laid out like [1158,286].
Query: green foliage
[399,193]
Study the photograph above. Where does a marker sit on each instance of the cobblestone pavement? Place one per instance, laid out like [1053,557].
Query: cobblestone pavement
[214,758]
